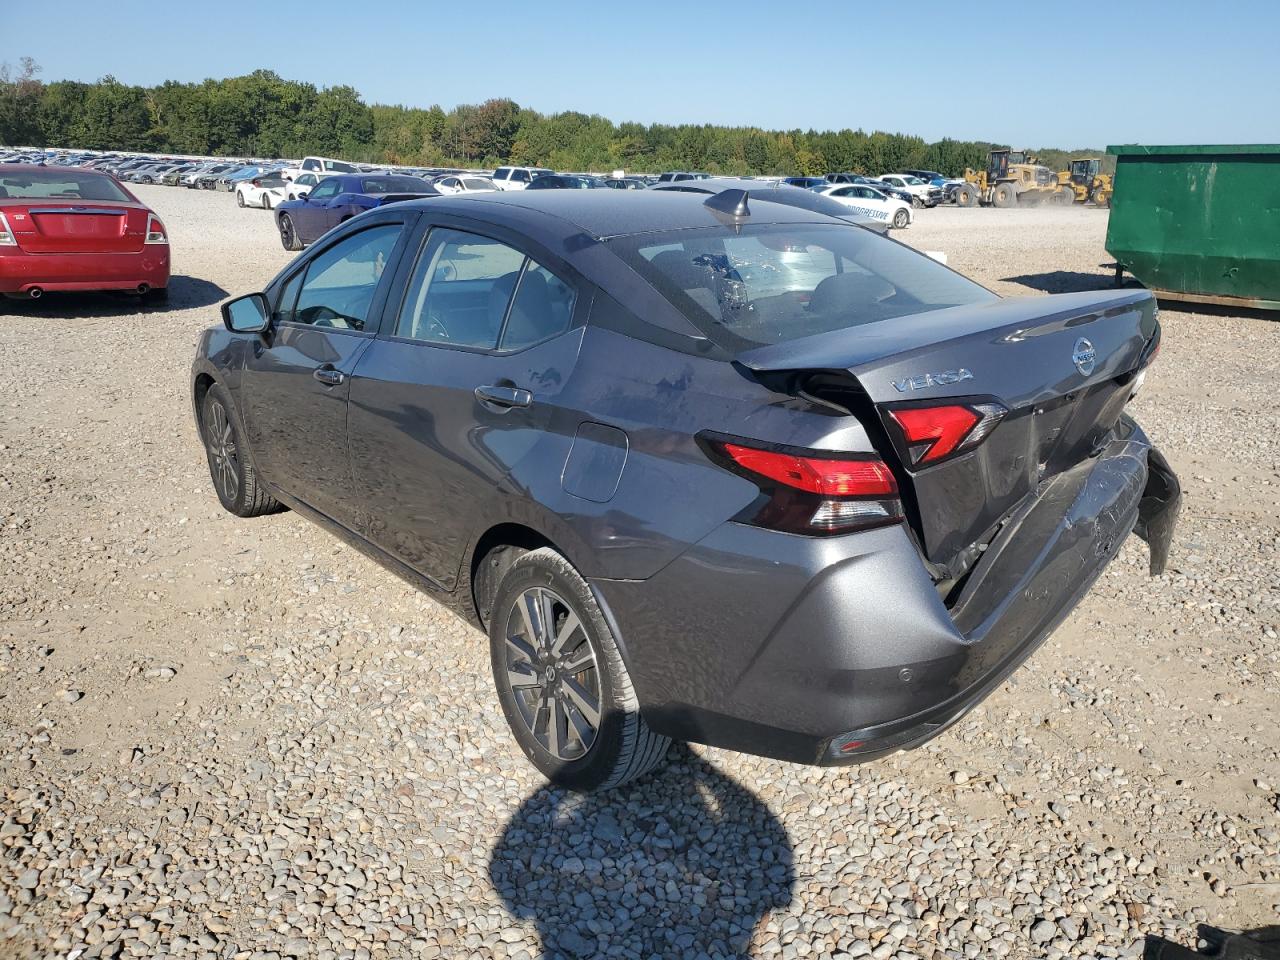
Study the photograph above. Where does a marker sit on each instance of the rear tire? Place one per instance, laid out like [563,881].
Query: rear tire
[1004,195]
[1064,197]
[554,680]
[288,235]
[901,219]
[234,479]
[266,201]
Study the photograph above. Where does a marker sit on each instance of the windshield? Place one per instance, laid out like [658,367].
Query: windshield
[756,285]
[62,184]
[914,181]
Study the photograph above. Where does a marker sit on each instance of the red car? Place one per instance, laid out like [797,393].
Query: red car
[64,228]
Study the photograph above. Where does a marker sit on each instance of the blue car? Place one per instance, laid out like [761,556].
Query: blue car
[341,197]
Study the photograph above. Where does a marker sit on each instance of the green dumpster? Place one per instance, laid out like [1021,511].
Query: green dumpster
[1199,223]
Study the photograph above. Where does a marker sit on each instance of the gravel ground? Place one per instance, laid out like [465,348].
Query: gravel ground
[227,738]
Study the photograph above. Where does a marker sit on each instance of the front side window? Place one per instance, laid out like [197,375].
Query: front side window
[341,281]
[755,285]
[473,291]
[502,173]
[310,164]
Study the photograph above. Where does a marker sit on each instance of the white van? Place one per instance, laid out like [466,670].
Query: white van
[320,166]
[517,178]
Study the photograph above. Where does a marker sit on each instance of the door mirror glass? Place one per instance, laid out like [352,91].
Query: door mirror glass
[302,194]
[247,314]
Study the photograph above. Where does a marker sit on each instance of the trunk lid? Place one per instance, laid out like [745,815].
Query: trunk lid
[1063,366]
[77,226]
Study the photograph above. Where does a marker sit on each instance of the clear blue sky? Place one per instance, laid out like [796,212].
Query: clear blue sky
[1051,74]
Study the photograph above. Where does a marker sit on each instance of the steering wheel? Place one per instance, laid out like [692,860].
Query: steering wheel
[322,316]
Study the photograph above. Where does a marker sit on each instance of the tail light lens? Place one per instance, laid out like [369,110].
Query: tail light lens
[811,491]
[7,238]
[932,434]
[155,230]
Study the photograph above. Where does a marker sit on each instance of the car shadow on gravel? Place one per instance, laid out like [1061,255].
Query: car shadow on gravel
[1066,281]
[683,862]
[185,293]
[1262,943]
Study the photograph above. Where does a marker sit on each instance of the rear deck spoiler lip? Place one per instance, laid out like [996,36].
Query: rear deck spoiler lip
[102,211]
[853,347]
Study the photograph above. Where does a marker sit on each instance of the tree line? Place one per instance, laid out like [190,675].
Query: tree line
[264,115]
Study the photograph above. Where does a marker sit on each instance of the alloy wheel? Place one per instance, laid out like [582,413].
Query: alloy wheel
[286,232]
[552,673]
[222,452]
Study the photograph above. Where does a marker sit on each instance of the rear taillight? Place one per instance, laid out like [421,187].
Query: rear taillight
[811,491]
[7,238]
[931,434]
[155,230]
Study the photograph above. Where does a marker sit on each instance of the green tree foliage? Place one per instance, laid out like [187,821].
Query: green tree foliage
[264,115]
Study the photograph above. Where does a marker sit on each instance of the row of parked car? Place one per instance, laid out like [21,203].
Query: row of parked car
[311,196]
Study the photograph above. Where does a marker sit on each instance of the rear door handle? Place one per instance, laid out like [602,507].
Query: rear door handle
[504,397]
[329,375]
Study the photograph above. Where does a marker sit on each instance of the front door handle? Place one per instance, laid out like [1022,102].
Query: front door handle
[329,375]
[504,397]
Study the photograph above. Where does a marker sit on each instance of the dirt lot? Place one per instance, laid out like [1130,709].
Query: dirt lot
[228,738]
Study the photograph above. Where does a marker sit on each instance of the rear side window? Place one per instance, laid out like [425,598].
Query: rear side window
[521,175]
[473,291]
[502,173]
[542,308]
[310,165]
[460,289]
[341,281]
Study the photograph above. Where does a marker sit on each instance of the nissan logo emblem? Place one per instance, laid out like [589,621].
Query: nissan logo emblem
[1084,356]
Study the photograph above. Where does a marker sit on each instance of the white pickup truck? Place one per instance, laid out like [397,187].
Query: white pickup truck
[320,166]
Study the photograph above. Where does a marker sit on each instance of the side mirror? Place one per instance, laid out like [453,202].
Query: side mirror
[303,194]
[247,314]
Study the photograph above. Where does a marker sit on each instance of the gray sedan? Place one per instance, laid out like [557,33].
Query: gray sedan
[704,467]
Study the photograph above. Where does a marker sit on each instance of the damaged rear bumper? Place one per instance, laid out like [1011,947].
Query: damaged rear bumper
[840,650]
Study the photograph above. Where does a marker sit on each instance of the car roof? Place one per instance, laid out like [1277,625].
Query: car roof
[555,217]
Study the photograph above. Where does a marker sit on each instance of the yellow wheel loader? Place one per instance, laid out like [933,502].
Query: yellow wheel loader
[1087,182]
[1012,177]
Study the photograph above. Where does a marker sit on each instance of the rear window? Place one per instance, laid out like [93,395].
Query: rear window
[60,184]
[771,283]
[393,185]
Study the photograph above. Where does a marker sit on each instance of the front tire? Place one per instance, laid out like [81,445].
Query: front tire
[901,219]
[1004,195]
[966,196]
[239,198]
[288,234]
[234,478]
[563,686]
